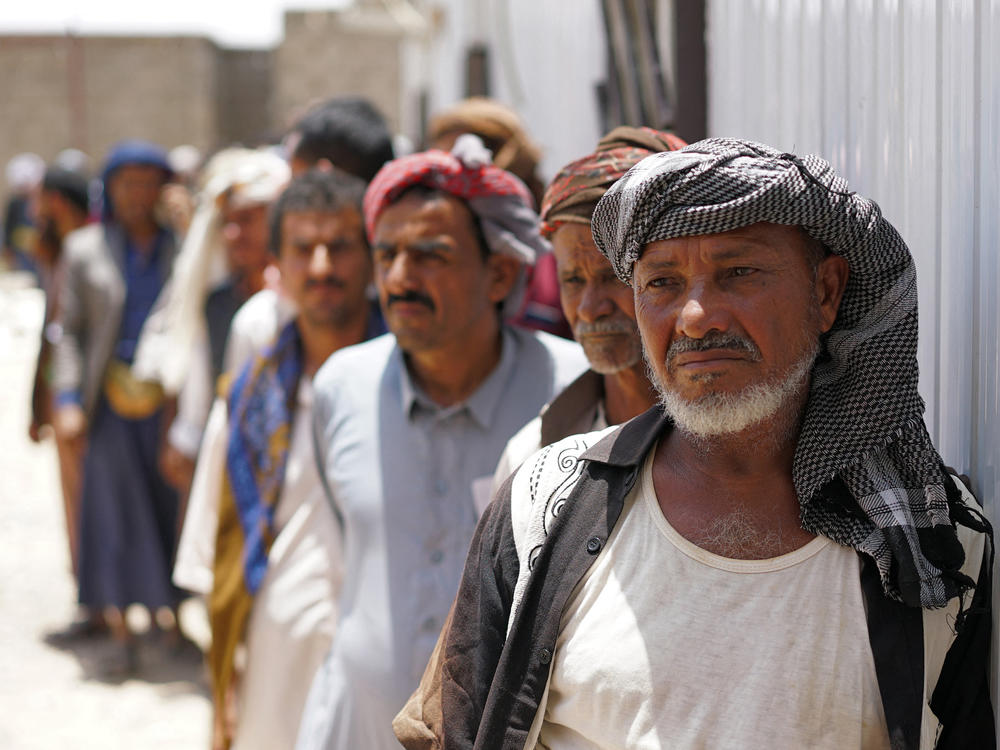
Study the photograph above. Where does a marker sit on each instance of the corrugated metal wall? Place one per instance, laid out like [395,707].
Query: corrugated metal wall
[546,60]
[903,97]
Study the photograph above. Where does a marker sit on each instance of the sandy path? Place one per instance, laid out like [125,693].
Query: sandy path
[52,698]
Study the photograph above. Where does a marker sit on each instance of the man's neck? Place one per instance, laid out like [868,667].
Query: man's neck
[732,495]
[746,459]
[66,224]
[627,393]
[141,234]
[450,375]
[248,283]
[319,342]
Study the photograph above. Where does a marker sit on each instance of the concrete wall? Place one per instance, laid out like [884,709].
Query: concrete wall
[88,92]
[245,88]
[34,93]
[320,57]
[162,89]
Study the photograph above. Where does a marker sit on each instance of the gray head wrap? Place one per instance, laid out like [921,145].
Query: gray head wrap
[865,471]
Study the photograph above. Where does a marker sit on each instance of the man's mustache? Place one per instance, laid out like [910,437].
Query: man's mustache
[411,298]
[712,340]
[328,282]
[599,327]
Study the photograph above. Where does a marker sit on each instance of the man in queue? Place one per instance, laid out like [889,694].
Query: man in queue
[409,426]
[775,555]
[597,305]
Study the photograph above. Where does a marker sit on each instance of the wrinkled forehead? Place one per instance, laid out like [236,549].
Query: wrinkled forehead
[760,239]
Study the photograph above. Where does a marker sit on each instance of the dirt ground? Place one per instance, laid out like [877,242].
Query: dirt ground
[54,697]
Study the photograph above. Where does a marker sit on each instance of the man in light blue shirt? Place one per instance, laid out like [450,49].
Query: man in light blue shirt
[409,426]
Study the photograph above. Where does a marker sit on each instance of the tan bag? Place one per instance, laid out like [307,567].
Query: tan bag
[129,397]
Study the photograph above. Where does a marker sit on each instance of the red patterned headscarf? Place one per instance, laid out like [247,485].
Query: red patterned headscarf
[573,194]
[499,200]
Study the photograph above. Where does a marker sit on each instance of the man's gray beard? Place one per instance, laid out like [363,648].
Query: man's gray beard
[719,414]
[604,359]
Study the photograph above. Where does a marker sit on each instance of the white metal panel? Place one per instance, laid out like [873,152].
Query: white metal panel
[920,158]
[986,402]
[887,109]
[764,119]
[787,51]
[809,136]
[861,124]
[832,86]
[545,60]
[957,234]
[721,26]
[909,112]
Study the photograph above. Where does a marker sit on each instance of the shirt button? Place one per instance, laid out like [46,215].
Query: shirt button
[594,545]
[430,625]
[441,487]
[545,656]
[437,556]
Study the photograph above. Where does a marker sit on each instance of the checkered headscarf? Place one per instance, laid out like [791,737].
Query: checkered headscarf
[863,429]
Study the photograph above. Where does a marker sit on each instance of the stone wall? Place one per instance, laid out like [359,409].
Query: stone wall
[323,56]
[88,92]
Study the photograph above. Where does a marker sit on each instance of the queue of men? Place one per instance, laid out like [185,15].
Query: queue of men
[715,521]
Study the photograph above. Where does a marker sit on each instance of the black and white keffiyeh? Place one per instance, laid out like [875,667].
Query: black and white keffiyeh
[863,429]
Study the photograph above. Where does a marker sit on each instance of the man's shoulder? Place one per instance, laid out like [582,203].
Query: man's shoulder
[267,305]
[561,457]
[84,241]
[548,476]
[361,363]
[564,359]
[255,326]
[555,346]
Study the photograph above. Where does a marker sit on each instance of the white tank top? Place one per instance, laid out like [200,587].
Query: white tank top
[666,645]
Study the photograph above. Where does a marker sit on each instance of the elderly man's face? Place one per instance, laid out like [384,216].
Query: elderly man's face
[325,265]
[435,287]
[598,306]
[730,322]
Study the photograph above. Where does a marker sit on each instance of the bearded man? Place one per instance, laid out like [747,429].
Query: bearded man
[597,305]
[773,557]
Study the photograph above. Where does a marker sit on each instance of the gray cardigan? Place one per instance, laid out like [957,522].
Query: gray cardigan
[91,307]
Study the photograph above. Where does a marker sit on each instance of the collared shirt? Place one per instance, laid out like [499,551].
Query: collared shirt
[403,474]
[579,408]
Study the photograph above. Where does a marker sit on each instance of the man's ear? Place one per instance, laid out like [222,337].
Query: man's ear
[503,271]
[831,280]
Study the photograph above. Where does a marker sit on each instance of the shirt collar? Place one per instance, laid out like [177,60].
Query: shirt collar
[484,401]
[629,444]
